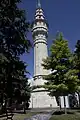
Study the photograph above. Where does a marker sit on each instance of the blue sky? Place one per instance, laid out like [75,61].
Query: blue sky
[62,15]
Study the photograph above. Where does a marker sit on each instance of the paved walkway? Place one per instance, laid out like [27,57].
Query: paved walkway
[39,117]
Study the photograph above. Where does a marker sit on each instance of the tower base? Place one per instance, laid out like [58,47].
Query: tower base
[41,99]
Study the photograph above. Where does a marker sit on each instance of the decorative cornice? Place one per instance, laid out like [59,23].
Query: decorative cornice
[39,20]
[39,91]
[40,42]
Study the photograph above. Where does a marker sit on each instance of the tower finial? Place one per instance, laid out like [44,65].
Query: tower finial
[39,4]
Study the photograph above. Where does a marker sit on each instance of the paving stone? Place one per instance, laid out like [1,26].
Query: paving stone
[39,117]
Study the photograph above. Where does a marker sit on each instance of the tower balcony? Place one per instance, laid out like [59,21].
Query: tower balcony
[39,30]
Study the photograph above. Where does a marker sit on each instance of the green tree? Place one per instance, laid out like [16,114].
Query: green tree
[77,62]
[63,79]
[77,57]
[13,44]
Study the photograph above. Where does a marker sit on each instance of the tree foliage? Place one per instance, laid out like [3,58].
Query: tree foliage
[63,78]
[77,57]
[13,44]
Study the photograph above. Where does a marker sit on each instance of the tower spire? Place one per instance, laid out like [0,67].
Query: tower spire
[39,4]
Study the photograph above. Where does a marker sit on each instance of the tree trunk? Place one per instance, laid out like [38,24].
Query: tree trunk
[65,105]
[79,99]
[60,102]
[24,107]
[2,101]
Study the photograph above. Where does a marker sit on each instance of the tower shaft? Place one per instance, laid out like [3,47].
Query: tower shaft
[40,33]
[40,52]
[39,96]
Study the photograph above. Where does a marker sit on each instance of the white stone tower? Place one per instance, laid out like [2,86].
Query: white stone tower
[40,97]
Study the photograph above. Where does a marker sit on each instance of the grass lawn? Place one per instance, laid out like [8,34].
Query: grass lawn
[75,116]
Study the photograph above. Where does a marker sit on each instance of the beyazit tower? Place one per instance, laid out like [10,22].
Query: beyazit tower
[40,97]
